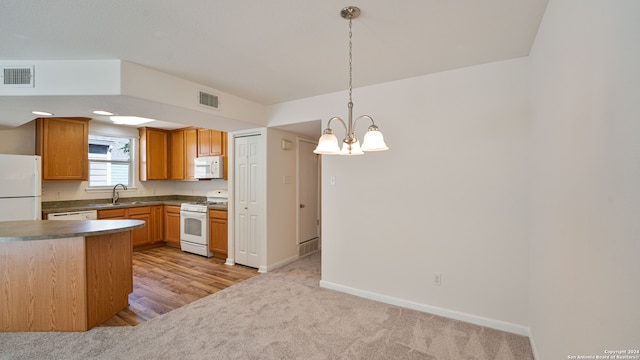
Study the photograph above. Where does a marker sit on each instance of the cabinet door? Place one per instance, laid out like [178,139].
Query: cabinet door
[218,233]
[63,144]
[177,155]
[154,145]
[172,225]
[112,214]
[210,142]
[204,142]
[190,152]
[225,141]
[218,243]
[215,148]
[141,236]
[157,223]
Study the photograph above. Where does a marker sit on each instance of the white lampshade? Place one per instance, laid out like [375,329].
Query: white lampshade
[374,141]
[328,144]
[355,149]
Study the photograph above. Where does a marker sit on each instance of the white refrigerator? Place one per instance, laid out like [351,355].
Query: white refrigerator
[20,187]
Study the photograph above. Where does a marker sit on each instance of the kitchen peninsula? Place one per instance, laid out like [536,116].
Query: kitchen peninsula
[64,275]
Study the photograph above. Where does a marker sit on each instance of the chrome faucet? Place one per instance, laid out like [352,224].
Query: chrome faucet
[116,196]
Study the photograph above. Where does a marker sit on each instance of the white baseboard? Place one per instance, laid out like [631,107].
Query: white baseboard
[279,264]
[230,261]
[473,319]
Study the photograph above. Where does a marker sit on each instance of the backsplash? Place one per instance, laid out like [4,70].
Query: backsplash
[65,191]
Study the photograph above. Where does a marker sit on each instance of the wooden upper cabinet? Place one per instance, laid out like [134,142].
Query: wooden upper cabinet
[210,142]
[177,155]
[63,144]
[184,144]
[213,143]
[225,141]
[154,154]
[190,152]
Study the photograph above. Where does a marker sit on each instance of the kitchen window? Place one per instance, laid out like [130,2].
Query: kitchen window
[110,161]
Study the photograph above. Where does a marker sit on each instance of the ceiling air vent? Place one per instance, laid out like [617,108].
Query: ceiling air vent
[17,76]
[209,100]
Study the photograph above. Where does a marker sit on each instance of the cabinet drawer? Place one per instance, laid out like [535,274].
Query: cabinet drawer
[140,210]
[111,213]
[172,209]
[217,214]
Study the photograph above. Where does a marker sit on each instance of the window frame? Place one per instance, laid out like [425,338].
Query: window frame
[132,163]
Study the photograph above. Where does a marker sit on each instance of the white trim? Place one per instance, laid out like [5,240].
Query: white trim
[279,264]
[473,319]
[230,261]
[318,197]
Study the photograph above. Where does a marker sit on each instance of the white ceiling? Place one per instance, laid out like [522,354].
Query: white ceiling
[272,51]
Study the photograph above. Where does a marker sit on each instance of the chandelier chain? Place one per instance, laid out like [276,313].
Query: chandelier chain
[350,63]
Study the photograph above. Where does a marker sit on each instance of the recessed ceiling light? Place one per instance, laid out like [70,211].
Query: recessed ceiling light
[42,113]
[102,112]
[130,120]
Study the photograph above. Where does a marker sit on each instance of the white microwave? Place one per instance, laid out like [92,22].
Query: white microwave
[209,167]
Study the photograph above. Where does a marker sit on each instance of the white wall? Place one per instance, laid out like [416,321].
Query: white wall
[281,199]
[20,140]
[450,196]
[68,77]
[585,228]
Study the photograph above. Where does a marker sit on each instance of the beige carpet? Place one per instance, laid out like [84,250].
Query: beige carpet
[280,315]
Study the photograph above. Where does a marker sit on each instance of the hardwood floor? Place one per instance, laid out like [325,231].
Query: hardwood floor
[166,278]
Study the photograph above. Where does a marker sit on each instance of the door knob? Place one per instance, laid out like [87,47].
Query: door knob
[301,206]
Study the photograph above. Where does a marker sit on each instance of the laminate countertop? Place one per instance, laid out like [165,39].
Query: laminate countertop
[48,229]
[83,205]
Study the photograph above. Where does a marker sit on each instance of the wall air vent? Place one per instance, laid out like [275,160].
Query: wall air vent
[17,76]
[208,100]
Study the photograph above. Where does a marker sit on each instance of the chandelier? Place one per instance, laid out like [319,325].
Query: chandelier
[373,139]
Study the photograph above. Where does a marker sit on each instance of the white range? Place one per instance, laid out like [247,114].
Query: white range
[194,223]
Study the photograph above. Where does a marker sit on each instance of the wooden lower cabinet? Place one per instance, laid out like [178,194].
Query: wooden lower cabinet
[172,225]
[157,219]
[112,214]
[218,233]
[142,237]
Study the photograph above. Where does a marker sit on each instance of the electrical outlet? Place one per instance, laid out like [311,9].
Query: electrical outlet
[437,280]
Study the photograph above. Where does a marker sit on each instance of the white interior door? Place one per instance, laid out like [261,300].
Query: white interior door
[308,209]
[247,197]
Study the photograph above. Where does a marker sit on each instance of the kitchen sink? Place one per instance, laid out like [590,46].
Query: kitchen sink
[108,205]
[104,205]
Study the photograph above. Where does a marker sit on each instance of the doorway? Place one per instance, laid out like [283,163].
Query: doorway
[308,198]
